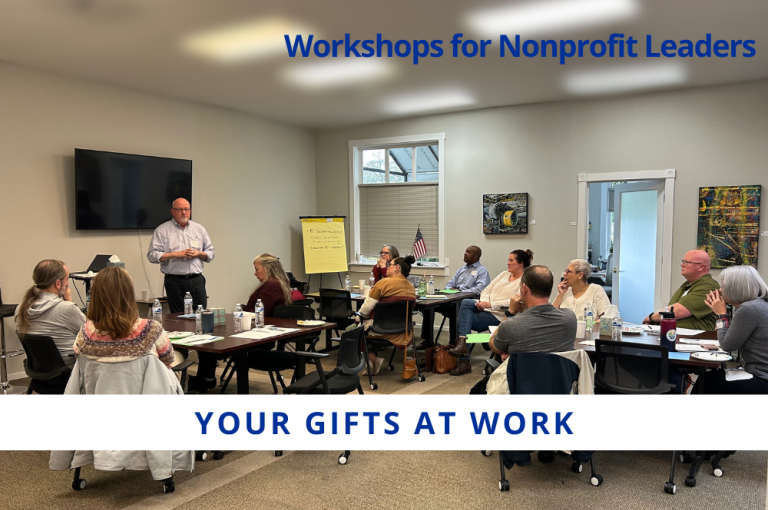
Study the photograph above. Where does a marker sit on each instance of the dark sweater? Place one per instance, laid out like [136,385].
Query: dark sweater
[749,334]
[271,295]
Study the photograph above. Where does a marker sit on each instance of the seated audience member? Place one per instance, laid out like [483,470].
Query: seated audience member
[742,288]
[387,254]
[274,290]
[687,302]
[472,277]
[541,327]
[47,308]
[575,293]
[114,332]
[489,310]
[395,284]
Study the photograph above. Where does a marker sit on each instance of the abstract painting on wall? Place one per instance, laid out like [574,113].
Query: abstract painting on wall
[505,213]
[729,224]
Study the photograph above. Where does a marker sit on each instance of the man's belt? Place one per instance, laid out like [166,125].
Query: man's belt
[185,276]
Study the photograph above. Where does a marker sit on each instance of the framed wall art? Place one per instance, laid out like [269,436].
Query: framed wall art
[729,224]
[505,213]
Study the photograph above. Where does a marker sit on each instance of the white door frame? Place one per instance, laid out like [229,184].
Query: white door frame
[668,176]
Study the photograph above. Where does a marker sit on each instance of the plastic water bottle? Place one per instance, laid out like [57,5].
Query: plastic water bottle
[187,303]
[259,309]
[238,316]
[371,280]
[431,285]
[199,320]
[157,311]
[589,316]
[87,302]
[348,284]
[618,327]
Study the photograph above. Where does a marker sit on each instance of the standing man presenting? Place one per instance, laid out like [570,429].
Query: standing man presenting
[180,246]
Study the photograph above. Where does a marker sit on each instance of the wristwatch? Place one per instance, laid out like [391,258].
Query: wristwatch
[650,317]
[722,316]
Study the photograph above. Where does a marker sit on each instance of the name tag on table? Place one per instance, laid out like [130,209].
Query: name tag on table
[194,244]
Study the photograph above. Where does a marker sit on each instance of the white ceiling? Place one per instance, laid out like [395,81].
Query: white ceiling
[135,44]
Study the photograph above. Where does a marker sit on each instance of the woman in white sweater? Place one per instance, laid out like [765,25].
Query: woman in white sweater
[489,310]
[575,293]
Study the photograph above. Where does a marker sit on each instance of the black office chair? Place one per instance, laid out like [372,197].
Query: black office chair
[275,361]
[301,287]
[341,380]
[336,306]
[6,311]
[537,373]
[389,318]
[44,365]
[634,369]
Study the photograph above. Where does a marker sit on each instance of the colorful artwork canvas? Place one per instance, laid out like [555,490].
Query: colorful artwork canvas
[505,213]
[729,224]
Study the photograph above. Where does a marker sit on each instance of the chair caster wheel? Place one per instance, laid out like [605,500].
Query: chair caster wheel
[79,485]
[670,488]
[685,458]
[690,481]
[374,387]
[577,467]
[504,485]
[218,455]
[486,453]
[168,487]
[596,480]
[278,453]
[390,368]
[546,456]
[201,456]
[343,458]
[422,378]
[718,471]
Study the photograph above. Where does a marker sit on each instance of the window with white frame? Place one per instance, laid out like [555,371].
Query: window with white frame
[396,190]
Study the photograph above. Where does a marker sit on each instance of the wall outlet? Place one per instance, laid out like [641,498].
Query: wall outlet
[532,222]
[574,223]
[447,264]
[764,233]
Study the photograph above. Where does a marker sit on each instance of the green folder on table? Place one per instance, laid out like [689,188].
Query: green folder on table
[478,338]
[449,291]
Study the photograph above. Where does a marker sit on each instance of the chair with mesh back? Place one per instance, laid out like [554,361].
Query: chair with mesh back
[336,306]
[634,369]
[392,316]
[44,365]
[6,310]
[341,380]
[275,361]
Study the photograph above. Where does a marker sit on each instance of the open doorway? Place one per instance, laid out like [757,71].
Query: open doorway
[623,233]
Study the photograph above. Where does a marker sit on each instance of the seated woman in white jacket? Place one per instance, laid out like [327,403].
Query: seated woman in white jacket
[575,293]
[489,310]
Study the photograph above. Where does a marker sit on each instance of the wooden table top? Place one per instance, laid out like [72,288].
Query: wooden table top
[172,322]
[420,303]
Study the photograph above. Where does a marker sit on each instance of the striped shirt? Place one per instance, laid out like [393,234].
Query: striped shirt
[170,237]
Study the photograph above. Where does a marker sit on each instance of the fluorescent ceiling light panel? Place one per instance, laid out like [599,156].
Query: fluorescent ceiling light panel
[623,79]
[427,101]
[549,16]
[244,41]
[337,72]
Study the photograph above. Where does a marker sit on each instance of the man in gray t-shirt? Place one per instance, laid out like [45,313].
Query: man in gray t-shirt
[542,327]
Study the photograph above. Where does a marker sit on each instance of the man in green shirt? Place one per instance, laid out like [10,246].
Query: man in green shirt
[688,301]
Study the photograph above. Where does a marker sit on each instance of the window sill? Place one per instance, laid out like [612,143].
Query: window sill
[355,267]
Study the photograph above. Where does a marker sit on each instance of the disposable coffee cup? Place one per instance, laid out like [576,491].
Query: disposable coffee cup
[581,329]
[361,285]
[366,291]
[145,295]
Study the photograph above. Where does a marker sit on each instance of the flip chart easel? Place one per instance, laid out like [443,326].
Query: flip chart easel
[325,246]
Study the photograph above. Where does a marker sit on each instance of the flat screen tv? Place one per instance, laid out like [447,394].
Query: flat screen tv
[127,191]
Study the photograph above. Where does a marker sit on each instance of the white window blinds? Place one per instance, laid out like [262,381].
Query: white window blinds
[391,215]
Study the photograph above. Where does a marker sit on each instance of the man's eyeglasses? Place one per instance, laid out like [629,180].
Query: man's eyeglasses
[688,262]
[182,209]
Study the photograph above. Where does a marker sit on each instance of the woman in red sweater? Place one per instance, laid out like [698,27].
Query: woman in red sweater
[387,254]
[274,289]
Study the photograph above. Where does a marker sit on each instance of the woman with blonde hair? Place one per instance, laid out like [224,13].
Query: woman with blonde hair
[575,293]
[274,289]
[114,332]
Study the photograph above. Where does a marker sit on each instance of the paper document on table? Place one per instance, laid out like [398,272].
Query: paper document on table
[688,348]
[197,340]
[259,334]
[737,374]
[689,332]
[587,342]
[492,329]
[654,330]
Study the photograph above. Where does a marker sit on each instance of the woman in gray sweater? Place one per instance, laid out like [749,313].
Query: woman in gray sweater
[742,287]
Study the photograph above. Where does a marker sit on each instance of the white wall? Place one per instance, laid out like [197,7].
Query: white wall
[252,179]
[712,136]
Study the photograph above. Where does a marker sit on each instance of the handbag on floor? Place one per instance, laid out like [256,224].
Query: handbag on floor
[409,365]
[444,362]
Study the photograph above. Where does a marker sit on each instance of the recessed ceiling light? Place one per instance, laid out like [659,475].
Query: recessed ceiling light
[337,72]
[622,79]
[548,16]
[427,101]
[244,41]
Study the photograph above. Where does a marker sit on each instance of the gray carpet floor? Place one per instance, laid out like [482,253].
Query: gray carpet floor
[375,479]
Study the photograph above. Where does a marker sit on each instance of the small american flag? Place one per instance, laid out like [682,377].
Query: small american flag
[419,246]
